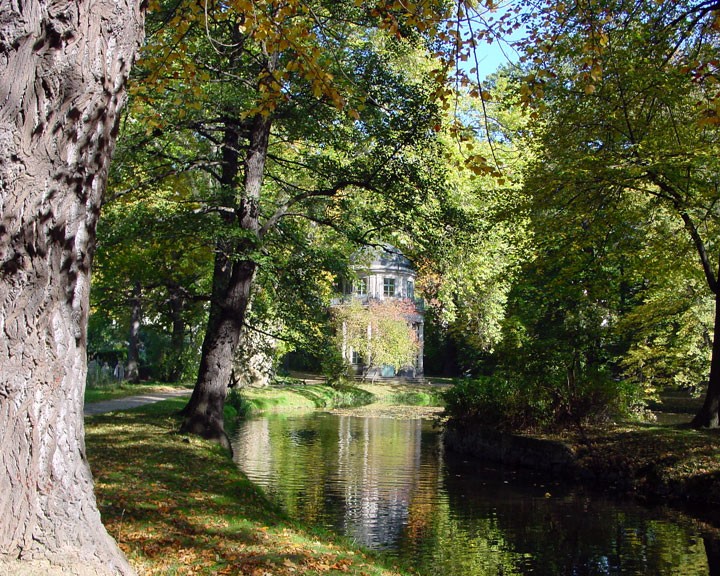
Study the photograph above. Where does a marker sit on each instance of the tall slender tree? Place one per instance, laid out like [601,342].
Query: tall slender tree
[630,110]
[294,110]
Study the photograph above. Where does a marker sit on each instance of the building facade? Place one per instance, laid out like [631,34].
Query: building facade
[385,274]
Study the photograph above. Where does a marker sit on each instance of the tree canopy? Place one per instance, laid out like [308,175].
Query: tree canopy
[627,127]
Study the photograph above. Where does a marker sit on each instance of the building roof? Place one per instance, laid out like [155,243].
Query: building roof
[385,257]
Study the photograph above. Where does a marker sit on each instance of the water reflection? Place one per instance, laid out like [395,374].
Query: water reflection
[388,484]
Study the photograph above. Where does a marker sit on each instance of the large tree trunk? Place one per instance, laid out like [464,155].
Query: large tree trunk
[709,414]
[63,67]
[232,282]
[712,550]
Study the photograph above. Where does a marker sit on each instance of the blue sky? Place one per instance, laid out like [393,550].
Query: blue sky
[491,56]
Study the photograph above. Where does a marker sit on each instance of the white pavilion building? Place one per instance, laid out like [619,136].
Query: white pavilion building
[384,273]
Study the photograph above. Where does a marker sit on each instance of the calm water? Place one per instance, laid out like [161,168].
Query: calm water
[389,485]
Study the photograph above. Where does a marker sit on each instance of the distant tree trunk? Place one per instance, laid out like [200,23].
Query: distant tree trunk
[63,67]
[133,366]
[712,550]
[709,414]
[177,337]
[232,282]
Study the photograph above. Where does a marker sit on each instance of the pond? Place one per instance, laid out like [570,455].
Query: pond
[389,485]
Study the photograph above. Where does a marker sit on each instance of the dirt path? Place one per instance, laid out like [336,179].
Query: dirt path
[132,401]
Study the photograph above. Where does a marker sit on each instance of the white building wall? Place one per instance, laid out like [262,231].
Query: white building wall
[401,273]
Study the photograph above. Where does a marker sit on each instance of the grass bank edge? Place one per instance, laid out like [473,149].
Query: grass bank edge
[296,397]
[179,505]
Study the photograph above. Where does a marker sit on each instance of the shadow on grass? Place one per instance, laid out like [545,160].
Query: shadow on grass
[662,463]
[178,505]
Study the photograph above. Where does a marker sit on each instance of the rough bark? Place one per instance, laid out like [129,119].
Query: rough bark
[712,550]
[233,276]
[709,414]
[63,67]
[204,413]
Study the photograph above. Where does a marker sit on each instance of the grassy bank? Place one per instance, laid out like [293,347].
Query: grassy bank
[178,506]
[662,463]
[666,461]
[659,464]
[364,399]
[292,394]
[300,397]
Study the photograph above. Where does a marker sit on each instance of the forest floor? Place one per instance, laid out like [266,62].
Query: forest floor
[663,461]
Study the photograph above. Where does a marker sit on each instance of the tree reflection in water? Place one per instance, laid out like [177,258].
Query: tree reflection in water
[389,485]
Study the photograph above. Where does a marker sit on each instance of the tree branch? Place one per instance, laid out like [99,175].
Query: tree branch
[690,227]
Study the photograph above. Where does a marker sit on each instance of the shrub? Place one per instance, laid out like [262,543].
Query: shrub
[515,404]
[236,401]
[486,400]
[335,369]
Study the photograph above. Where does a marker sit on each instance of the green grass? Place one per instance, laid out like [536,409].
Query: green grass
[309,397]
[303,397]
[409,394]
[124,389]
[179,505]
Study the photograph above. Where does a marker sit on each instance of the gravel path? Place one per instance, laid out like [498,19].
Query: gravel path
[132,401]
